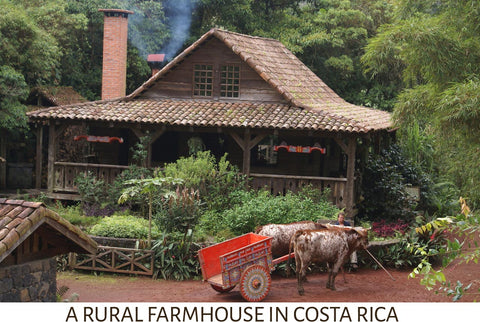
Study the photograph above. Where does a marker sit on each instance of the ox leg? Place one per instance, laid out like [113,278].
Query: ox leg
[301,272]
[333,274]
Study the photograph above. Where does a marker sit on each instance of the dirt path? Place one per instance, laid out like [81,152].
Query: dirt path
[365,285]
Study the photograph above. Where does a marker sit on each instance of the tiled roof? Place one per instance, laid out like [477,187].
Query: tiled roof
[301,88]
[202,113]
[19,218]
[60,95]
[279,67]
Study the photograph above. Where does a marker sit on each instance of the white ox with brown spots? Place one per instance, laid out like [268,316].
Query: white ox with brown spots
[331,246]
[282,234]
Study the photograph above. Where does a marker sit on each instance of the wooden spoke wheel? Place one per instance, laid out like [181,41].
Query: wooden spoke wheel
[255,283]
[220,289]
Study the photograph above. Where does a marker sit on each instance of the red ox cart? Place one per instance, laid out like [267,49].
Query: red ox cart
[245,260]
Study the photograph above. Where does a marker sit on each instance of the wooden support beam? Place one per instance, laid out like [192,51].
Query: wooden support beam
[39,157]
[3,161]
[52,148]
[153,137]
[349,149]
[246,144]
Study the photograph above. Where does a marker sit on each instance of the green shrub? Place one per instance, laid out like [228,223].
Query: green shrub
[260,208]
[383,188]
[214,180]
[176,256]
[74,215]
[181,211]
[121,226]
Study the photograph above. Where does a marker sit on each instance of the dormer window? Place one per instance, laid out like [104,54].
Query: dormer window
[203,80]
[230,81]
[216,81]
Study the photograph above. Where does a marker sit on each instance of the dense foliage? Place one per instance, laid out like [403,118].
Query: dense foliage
[384,194]
[124,226]
[260,208]
[432,47]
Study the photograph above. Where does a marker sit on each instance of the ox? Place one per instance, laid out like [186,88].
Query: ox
[282,234]
[331,246]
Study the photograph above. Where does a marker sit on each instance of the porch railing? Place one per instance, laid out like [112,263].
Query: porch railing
[66,172]
[280,184]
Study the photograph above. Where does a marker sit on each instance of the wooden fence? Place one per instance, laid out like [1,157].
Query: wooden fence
[66,172]
[116,260]
[281,184]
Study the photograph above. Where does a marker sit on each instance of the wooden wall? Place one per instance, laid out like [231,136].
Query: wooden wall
[178,82]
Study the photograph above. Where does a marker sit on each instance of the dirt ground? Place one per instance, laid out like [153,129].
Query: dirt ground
[364,285]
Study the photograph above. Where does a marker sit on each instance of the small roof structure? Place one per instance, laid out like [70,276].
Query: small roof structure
[20,220]
[59,95]
[315,106]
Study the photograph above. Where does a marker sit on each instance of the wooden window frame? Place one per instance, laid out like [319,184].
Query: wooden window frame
[229,81]
[203,80]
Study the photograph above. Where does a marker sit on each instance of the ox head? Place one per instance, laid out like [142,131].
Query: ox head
[359,236]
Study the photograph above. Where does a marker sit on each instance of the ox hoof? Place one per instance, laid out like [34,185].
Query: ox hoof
[301,292]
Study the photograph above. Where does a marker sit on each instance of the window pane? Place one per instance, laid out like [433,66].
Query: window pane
[202,80]
[230,75]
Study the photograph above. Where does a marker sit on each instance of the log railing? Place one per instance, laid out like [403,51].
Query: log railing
[280,184]
[66,172]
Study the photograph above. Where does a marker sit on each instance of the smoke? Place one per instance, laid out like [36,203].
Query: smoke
[179,17]
[159,27]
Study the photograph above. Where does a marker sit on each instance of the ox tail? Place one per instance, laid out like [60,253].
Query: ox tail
[288,268]
[290,247]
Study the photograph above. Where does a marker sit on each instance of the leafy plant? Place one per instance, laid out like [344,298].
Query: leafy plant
[181,211]
[384,195]
[383,229]
[148,188]
[466,225]
[120,226]
[214,180]
[260,208]
[176,256]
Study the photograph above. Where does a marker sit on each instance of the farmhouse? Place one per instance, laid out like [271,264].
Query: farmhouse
[230,93]
[30,236]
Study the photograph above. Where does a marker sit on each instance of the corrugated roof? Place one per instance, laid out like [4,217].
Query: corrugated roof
[301,88]
[19,218]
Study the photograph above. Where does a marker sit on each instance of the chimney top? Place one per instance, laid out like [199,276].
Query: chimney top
[116,12]
[155,58]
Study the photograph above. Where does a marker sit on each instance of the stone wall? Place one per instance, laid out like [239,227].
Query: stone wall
[30,282]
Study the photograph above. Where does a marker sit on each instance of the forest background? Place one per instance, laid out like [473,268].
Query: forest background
[419,59]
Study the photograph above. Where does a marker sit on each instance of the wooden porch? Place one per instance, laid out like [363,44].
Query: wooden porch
[66,172]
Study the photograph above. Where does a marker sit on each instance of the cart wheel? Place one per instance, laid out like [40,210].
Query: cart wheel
[255,283]
[220,289]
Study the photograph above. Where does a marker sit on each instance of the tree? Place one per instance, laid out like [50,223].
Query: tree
[328,36]
[29,56]
[13,90]
[436,57]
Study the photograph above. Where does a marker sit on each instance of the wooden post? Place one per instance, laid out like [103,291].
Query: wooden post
[350,202]
[247,144]
[349,149]
[52,142]
[3,161]
[246,153]
[153,137]
[39,158]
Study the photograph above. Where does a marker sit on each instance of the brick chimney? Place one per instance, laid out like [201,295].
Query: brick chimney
[115,33]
